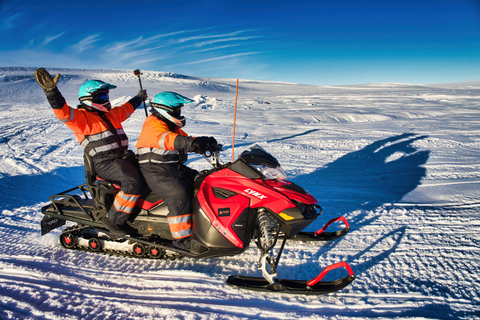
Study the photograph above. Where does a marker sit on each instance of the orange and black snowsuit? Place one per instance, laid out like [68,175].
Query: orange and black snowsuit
[107,146]
[162,152]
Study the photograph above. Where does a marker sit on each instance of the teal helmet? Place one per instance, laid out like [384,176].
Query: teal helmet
[94,95]
[168,105]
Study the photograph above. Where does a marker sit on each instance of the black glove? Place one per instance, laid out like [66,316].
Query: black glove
[200,144]
[212,141]
[45,80]
[213,144]
[143,94]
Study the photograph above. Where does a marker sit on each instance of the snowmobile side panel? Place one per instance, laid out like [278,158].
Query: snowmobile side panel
[212,238]
[223,208]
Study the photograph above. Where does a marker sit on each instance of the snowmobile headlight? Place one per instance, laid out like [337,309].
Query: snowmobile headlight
[275,173]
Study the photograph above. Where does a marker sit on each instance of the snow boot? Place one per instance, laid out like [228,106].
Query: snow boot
[115,230]
[182,244]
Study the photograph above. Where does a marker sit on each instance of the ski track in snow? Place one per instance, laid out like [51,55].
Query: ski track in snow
[399,161]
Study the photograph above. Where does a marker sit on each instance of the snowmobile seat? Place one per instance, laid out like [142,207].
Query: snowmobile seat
[101,191]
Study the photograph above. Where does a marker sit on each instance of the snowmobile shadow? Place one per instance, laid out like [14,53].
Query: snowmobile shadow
[394,237]
[380,173]
[27,190]
[359,182]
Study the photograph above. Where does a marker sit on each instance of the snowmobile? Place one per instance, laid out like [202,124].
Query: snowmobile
[234,203]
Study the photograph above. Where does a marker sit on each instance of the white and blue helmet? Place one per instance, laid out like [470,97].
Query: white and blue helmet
[168,105]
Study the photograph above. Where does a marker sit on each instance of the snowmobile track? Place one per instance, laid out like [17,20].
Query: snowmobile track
[97,245]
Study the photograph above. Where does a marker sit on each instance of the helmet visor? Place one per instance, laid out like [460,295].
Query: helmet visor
[177,112]
[100,97]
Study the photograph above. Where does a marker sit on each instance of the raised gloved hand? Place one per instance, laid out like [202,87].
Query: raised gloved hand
[45,80]
[200,144]
[143,94]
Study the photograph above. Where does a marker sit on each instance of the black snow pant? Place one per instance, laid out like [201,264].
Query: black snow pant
[174,183]
[123,172]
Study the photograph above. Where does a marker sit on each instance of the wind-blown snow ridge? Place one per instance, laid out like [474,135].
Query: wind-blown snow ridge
[399,161]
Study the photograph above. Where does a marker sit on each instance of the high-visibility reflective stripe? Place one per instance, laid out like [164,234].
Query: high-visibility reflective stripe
[155,155]
[181,226]
[103,148]
[104,134]
[110,146]
[179,219]
[181,234]
[72,114]
[93,143]
[128,113]
[161,141]
[70,117]
[99,136]
[156,161]
[157,151]
[143,150]
[128,197]
[125,202]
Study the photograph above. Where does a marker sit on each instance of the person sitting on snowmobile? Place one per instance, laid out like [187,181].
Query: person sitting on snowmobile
[98,129]
[162,151]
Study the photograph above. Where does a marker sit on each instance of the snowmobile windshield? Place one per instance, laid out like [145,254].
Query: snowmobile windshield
[264,162]
[275,173]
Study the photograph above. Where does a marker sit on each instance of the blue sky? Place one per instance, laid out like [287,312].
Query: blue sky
[310,42]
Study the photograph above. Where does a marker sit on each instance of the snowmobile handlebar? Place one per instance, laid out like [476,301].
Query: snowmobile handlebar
[213,148]
[212,154]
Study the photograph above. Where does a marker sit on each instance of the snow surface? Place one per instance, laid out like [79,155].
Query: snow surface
[399,161]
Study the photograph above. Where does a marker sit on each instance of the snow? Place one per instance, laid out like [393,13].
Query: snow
[399,161]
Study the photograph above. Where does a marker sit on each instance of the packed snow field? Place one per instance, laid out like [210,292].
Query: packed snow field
[399,161]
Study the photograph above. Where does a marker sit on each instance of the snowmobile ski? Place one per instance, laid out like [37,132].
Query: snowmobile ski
[311,287]
[321,235]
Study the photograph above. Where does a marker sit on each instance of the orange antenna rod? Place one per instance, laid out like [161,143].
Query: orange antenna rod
[234,120]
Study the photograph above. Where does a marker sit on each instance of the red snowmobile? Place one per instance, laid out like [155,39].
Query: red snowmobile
[233,204]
